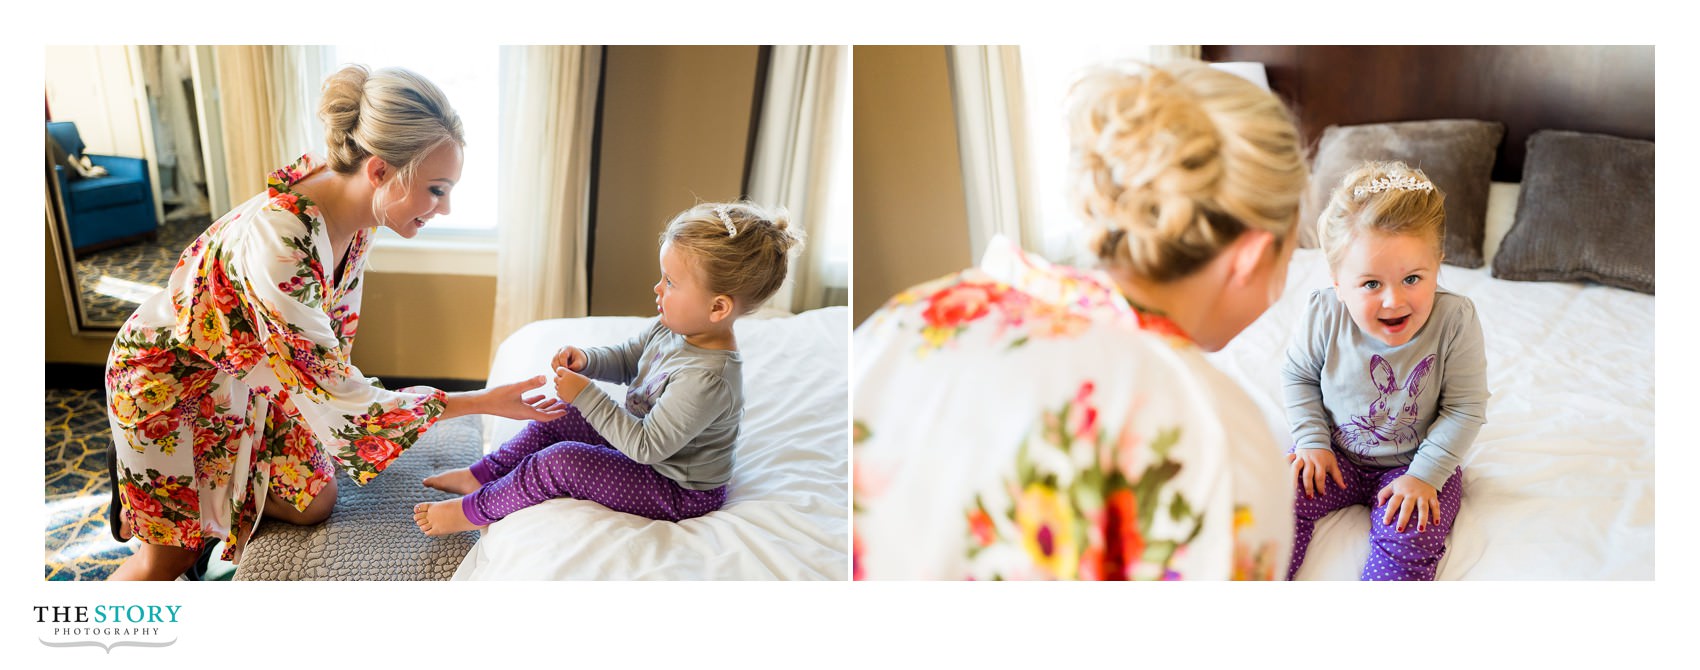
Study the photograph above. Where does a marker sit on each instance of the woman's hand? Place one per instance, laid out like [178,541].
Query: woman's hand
[507,400]
[568,384]
[569,357]
[1408,494]
[1311,469]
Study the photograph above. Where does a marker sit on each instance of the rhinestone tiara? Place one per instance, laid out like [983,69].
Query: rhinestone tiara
[1405,183]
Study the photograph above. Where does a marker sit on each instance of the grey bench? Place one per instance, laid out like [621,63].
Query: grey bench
[370,535]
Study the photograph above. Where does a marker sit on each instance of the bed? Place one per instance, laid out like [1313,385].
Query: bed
[1545,154]
[1559,483]
[787,516]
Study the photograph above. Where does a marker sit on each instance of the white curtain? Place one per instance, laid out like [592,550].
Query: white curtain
[1163,53]
[1010,134]
[985,83]
[548,111]
[268,103]
[166,71]
[800,132]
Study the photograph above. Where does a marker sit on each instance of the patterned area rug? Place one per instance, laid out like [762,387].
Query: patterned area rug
[370,535]
[114,281]
[78,544]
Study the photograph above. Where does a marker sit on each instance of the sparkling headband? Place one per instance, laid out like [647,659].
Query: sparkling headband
[1405,183]
[731,230]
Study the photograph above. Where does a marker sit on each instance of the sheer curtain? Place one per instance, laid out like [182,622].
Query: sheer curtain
[986,85]
[548,110]
[166,71]
[1014,141]
[800,136]
[269,104]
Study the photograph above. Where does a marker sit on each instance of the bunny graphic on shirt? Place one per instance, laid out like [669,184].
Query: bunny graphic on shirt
[1392,418]
[641,399]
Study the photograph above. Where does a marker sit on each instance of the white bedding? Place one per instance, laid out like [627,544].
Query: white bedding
[1559,484]
[787,514]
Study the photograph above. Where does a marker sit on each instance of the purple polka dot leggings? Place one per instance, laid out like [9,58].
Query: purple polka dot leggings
[1393,556]
[566,458]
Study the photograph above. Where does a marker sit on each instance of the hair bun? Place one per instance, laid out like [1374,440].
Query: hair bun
[340,109]
[1174,162]
[787,237]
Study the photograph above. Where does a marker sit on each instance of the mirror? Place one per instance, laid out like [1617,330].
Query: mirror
[127,158]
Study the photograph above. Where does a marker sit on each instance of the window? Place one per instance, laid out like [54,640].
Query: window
[840,185]
[1047,72]
[470,77]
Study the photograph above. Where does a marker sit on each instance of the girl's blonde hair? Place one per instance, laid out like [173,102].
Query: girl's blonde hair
[742,248]
[1386,197]
[391,113]
[1173,163]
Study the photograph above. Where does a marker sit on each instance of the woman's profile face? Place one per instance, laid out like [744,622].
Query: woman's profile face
[428,196]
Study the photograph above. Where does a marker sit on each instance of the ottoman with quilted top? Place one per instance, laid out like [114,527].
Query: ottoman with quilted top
[371,535]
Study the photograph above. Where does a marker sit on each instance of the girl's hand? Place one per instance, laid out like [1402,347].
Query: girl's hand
[569,357]
[507,400]
[568,384]
[1409,494]
[1311,469]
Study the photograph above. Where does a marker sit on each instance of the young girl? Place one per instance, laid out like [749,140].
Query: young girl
[1386,383]
[667,454]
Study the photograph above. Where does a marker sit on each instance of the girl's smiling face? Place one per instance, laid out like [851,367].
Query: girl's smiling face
[1388,283]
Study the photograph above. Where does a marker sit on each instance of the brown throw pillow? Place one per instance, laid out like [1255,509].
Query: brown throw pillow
[1584,212]
[1456,154]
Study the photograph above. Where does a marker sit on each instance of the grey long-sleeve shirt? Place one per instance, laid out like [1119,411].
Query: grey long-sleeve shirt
[682,407]
[1420,403]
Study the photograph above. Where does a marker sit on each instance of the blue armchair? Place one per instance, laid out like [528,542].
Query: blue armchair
[103,211]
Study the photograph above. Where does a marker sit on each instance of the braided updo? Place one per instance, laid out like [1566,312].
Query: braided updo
[744,255]
[1173,163]
[391,113]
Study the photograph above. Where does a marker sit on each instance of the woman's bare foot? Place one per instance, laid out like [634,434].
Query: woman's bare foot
[458,482]
[442,517]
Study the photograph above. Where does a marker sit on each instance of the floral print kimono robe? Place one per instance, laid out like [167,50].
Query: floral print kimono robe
[1022,421]
[236,381]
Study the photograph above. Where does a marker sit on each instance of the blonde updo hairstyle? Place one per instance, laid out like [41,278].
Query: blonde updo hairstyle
[391,113]
[1173,163]
[747,261]
[1369,198]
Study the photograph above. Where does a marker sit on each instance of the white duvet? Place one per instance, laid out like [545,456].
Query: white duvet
[1559,484]
[787,513]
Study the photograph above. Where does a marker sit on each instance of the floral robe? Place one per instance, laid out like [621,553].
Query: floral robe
[236,381]
[1021,421]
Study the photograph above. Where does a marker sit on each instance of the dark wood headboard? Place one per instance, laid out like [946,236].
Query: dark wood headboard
[1594,89]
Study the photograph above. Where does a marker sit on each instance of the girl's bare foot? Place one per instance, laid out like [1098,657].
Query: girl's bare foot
[458,482]
[442,517]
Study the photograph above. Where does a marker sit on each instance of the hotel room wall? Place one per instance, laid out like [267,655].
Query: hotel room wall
[675,128]
[413,325]
[911,218]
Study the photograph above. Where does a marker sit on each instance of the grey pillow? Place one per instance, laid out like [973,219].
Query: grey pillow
[1584,212]
[1456,154]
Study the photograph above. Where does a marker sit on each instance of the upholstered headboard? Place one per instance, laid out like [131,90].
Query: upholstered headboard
[1593,89]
